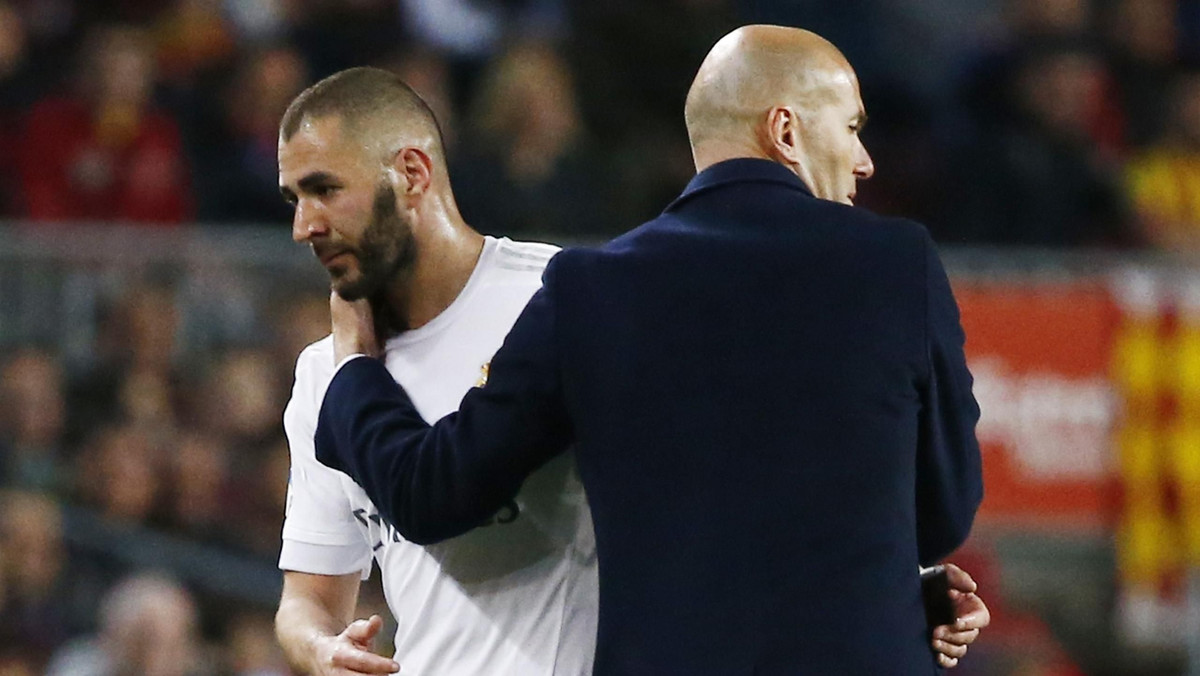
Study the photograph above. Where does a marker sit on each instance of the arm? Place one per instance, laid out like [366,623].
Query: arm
[314,628]
[436,482]
[949,472]
[320,538]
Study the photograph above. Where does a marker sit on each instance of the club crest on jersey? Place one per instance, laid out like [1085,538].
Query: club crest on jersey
[483,374]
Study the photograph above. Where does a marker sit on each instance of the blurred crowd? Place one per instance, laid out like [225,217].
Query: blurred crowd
[1047,123]
[1044,123]
[158,449]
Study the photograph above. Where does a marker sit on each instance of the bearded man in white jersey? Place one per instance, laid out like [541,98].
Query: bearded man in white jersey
[361,160]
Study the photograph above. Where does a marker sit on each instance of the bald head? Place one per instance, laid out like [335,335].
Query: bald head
[753,69]
[781,94]
[377,110]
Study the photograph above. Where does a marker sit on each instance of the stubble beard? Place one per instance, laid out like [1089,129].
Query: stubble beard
[385,252]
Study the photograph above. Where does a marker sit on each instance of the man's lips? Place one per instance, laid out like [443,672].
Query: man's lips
[327,257]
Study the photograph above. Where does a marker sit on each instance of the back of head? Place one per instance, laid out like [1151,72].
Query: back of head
[376,108]
[752,69]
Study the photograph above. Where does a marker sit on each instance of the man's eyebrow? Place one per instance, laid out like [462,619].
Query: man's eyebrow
[861,119]
[317,178]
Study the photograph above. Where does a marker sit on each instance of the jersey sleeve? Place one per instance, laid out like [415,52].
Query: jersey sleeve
[320,533]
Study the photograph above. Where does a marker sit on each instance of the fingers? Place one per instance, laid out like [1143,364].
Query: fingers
[972,613]
[949,649]
[959,579]
[353,327]
[364,631]
[947,662]
[362,662]
[951,641]
[948,635]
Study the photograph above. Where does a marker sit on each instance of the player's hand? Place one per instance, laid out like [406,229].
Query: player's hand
[353,328]
[951,641]
[350,653]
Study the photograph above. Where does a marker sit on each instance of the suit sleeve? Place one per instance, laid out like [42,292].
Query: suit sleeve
[433,483]
[949,469]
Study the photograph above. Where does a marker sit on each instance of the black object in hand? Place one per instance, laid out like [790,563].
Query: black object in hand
[935,590]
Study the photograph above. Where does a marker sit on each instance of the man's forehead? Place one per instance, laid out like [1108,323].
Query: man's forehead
[322,134]
[317,142]
[843,83]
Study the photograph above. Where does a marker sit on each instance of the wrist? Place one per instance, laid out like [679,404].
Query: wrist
[320,651]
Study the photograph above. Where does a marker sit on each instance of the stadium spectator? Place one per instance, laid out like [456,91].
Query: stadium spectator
[297,323]
[259,494]
[148,626]
[429,74]
[37,612]
[1164,180]
[120,475]
[105,153]
[1143,38]
[258,21]
[32,421]
[253,650]
[17,91]
[986,88]
[1041,180]
[135,357]
[235,154]
[475,31]
[528,166]
[636,119]
[199,488]
[191,37]
[336,35]
[241,401]
[14,663]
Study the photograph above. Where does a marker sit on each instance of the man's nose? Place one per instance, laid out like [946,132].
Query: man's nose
[307,222]
[864,168]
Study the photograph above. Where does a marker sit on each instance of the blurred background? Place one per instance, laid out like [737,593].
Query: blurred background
[152,304]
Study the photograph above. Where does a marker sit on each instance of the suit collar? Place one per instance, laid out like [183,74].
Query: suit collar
[740,170]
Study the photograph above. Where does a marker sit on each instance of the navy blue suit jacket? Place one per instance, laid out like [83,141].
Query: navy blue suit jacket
[773,420]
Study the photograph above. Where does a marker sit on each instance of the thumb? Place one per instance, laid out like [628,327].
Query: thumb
[959,579]
[364,631]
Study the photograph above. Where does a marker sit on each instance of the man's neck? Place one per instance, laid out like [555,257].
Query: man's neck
[445,261]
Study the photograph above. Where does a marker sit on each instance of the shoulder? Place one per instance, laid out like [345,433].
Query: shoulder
[901,235]
[316,359]
[314,368]
[523,256]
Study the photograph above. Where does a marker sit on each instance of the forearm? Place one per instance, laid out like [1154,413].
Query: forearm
[300,625]
[949,471]
[313,609]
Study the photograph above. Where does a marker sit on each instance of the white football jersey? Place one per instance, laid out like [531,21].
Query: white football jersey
[514,596]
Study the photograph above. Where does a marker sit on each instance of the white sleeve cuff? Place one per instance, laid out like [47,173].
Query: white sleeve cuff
[305,557]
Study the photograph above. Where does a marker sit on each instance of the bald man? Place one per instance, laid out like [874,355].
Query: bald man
[764,387]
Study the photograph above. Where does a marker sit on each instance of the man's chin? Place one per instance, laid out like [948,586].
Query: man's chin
[350,294]
[348,289]
[356,288]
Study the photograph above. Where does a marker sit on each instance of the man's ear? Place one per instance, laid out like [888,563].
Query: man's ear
[411,172]
[783,135]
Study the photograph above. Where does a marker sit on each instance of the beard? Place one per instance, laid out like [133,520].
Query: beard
[385,252]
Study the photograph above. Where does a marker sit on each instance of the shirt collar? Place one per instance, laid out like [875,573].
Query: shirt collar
[739,170]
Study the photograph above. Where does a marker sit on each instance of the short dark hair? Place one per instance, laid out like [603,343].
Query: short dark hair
[357,94]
